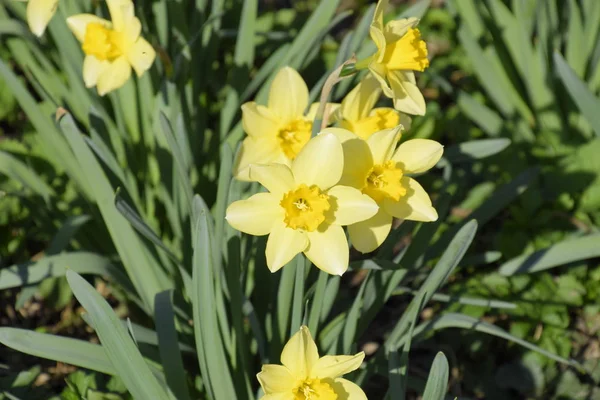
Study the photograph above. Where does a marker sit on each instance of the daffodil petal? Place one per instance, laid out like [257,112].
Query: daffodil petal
[407,96]
[288,96]
[141,56]
[259,121]
[418,155]
[347,390]
[328,249]
[350,205]
[279,396]
[256,215]
[133,29]
[283,244]
[256,151]
[368,235]
[414,206]
[383,144]
[92,69]
[78,24]
[336,366]
[358,154]
[379,72]
[300,353]
[39,13]
[121,13]
[376,28]
[331,110]
[114,76]
[360,101]
[394,30]
[320,162]
[276,378]
[276,178]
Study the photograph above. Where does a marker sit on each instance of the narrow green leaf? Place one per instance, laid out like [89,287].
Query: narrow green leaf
[298,300]
[474,150]
[437,382]
[485,117]
[19,171]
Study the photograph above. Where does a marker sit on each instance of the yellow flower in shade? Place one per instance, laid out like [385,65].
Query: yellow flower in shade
[358,115]
[304,209]
[384,173]
[306,376]
[276,132]
[400,51]
[112,48]
[39,14]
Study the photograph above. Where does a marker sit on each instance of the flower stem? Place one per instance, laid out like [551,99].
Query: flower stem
[364,63]
[297,302]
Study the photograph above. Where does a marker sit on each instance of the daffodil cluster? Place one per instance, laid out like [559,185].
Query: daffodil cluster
[357,173]
[112,48]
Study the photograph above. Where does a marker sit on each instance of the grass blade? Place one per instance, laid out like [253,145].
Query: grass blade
[437,382]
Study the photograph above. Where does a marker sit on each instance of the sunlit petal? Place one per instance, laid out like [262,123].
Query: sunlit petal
[288,96]
[300,353]
[380,73]
[78,24]
[376,28]
[259,121]
[383,144]
[276,378]
[320,162]
[407,96]
[256,215]
[330,109]
[336,366]
[360,101]
[141,56]
[39,13]
[92,69]
[277,178]
[283,244]
[357,158]
[279,396]
[328,249]
[115,76]
[418,155]
[415,205]
[368,235]
[394,30]
[347,390]
[349,205]
[259,151]
[121,13]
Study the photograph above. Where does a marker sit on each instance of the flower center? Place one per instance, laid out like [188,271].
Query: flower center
[407,53]
[293,136]
[314,389]
[383,181]
[305,207]
[103,43]
[380,119]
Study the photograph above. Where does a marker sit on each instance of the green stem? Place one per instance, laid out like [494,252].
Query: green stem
[298,300]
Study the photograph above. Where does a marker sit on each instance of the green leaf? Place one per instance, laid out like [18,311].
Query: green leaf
[474,150]
[437,382]
[19,171]
[485,117]
[585,100]
[561,253]
[70,351]
[120,348]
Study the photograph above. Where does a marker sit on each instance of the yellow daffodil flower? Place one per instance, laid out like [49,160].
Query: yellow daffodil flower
[304,209]
[384,173]
[276,132]
[306,376]
[358,115]
[112,48]
[400,51]
[39,14]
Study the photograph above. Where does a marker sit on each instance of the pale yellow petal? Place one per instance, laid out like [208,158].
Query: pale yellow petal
[358,160]
[360,101]
[368,235]
[320,162]
[418,155]
[415,205]
[279,396]
[114,76]
[300,353]
[331,110]
[256,151]
[328,249]
[141,56]
[283,244]
[383,144]
[78,24]
[288,96]
[379,72]
[394,30]
[405,121]
[92,69]
[407,96]
[376,28]
[121,13]
[39,13]
[276,178]
[350,205]
[347,390]
[275,378]
[256,215]
[133,29]
[335,366]
[259,121]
